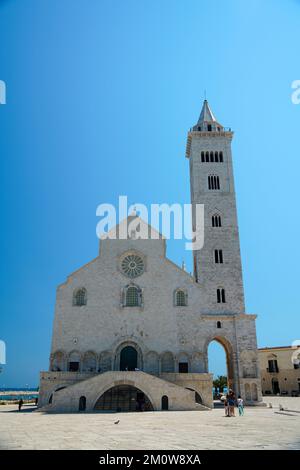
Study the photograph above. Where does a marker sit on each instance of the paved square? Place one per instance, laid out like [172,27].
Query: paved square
[260,428]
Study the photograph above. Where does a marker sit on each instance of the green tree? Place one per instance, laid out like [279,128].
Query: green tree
[220,382]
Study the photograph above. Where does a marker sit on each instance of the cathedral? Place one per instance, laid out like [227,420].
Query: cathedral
[132,329]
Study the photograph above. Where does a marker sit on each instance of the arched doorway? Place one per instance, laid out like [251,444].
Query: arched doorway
[164,403]
[220,364]
[128,358]
[123,398]
[82,404]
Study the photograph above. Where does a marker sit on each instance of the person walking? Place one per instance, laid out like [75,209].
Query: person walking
[20,404]
[240,403]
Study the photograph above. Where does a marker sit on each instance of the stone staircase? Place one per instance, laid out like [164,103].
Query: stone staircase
[67,400]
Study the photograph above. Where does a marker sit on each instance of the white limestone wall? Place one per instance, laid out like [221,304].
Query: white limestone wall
[103,323]
[228,275]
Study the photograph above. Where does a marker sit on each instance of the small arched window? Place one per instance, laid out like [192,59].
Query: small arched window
[133,296]
[80,297]
[213,182]
[216,220]
[219,325]
[180,298]
[221,297]
[218,256]
[212,157]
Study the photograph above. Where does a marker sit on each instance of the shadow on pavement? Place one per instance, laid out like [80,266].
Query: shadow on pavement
[25,409]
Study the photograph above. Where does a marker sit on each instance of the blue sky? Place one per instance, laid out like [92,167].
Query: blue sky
[88,83]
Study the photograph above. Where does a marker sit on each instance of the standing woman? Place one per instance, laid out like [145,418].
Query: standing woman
[231,402]
[240,403]
[224,399]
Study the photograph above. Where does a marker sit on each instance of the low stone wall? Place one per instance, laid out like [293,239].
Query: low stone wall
[201,383]
[51,381]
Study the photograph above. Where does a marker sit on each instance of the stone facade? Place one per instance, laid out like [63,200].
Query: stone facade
[280,370]
[161,315]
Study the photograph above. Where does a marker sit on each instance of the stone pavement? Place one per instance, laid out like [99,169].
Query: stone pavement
[260,428]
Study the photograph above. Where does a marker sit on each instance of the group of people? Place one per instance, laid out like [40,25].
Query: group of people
[229,404]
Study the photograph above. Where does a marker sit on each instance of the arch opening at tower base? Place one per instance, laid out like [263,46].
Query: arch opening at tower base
[123,398]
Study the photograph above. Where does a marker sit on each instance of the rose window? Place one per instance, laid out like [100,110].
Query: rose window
[132,266]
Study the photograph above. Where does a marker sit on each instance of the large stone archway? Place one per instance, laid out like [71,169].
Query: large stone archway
[122,398]
[231,374]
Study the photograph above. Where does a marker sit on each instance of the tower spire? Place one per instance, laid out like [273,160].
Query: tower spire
[207,120]
[206,114]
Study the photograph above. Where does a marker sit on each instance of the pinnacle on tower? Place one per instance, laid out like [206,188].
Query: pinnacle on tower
[207,121]
[206,114]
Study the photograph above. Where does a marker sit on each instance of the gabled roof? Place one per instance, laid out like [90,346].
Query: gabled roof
[133,221]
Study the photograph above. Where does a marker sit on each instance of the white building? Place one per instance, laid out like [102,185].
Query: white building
[132,308]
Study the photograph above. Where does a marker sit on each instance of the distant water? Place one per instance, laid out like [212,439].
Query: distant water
[18,397]
[16,389]
[15,396]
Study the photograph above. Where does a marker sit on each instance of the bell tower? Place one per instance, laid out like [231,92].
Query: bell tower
[217,266]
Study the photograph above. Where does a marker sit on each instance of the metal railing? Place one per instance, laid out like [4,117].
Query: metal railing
[213,129]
